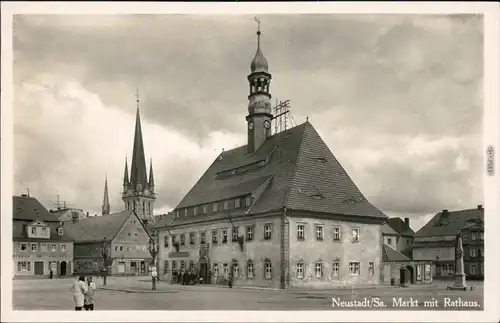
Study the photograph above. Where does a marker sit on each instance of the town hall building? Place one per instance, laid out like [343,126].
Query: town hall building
[279,211]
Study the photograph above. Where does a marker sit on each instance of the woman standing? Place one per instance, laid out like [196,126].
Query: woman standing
[79,291]
[90,295]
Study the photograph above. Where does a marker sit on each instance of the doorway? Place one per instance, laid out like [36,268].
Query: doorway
[411,274]
[39,268]
[63,268]
[204,270]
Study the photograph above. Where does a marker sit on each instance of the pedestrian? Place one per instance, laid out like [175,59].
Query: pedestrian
[90,295]
[230,280]
[51,274]
[79,290]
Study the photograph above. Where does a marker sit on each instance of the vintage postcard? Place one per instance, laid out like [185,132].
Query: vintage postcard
[250,162]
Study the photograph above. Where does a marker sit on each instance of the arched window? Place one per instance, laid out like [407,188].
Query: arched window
[300,269]
[318,269]
[268,269]
[165,267]
[236,268]
[250,270]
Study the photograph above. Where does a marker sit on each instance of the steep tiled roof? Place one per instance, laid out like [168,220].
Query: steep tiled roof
[19,232]
[390,254]
[387,230]
[451,222]
[97,228]
[29,208]
[300,171]
[164,220]
[400,227]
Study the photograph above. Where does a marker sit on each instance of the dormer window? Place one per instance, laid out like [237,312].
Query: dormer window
[33,230]
[226,205]
[60,231]
[44,231]
[248,200]
[205,209]
[215,207]
[237,203]
[177,214]
[185,212]
[195,210]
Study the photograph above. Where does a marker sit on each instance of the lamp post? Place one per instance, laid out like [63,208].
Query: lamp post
[105,254]
[153,250]
[437,259]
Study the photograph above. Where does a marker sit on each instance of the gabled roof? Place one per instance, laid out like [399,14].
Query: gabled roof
[450,222]
[165,220]
[300,173]
[390,254]
[387,230]
[20,233]
[99,227]
[400,227]
[29,208]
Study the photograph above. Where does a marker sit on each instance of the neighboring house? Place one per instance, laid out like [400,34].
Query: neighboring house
[40,243]
[435,241]
[69,214]
[393,259]
[404,240]
[128,249]
[279,211]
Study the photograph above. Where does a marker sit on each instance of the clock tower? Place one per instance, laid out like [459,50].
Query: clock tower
[138,192]
[259,105]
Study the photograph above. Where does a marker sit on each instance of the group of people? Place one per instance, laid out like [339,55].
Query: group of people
[84,293]
[187,278]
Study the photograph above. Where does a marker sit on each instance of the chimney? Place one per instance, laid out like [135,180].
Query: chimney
[74,217]
[479,207]
[24,195]
[445,211]
[407,222]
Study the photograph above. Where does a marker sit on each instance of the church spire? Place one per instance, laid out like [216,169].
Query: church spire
[151,177]
[259,106]
[106,208]
[126,182]
[138,177]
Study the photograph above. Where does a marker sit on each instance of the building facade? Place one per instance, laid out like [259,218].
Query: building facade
[40,243]
[435,242]
[122,235]
[277,212]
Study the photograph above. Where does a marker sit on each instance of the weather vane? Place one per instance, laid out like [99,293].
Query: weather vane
[258,23]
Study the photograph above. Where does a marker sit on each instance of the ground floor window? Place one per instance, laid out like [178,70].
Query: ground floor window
[236,269]
[225,270]
[447,269]
[300,269]
[354,268]
[335,268]
[473,269]
[24,266]
[250,269]
[267,269]
[318,270]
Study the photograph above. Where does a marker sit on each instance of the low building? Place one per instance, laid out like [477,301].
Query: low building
[279,211]
[126,239]
[40,243]
[393,260]
[405,234]
[435,242]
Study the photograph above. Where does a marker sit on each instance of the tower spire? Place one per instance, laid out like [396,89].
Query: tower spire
[138,177]
[105,203]
[126,181]
[151,177]
[259,106]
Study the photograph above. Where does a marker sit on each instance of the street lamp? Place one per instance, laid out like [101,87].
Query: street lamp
[153,250]
[104,254]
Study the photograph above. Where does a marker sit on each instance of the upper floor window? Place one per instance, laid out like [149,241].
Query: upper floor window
[214,236]
[33,230]
[195,210]
[60,231]
[267,231]
[474,236]
[63,247]
[215,207]
[300,232]
[185,212]
[336,234]
[165,241]
[481,235]
[43,247]
[226,205]
[354,268]
[24,246]
[205,209]
[355,235]
[235,234]
[34,247]
[237,203]
[183,239]
[44,231]
[319,233]
[202,238]
[224,235]
[173,239]
[473,252]
[191,238]
[249,233]
[389,241]
[53,248]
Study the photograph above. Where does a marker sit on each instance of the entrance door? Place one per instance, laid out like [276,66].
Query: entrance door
[204,272]
[63,268]
[121,268]
[38,267]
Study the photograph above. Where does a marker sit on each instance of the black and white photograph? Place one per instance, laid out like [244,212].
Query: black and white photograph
[251,159]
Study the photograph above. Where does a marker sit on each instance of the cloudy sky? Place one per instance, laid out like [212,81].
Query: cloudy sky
[398,99]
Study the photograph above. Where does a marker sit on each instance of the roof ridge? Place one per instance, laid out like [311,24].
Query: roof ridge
[295,167]
[113,236]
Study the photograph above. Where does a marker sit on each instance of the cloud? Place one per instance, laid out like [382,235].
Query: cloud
[398,99]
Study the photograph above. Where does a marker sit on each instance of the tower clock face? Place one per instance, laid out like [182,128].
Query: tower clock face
[250,125]
[267,124]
